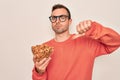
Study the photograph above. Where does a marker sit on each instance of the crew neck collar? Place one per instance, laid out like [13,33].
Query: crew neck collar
[63,42]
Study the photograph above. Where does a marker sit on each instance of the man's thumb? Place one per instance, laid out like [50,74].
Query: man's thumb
[78,35]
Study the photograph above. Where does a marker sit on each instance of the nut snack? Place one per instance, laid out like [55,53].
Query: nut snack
[42,51]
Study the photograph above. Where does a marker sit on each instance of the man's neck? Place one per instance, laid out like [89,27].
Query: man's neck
[61,37]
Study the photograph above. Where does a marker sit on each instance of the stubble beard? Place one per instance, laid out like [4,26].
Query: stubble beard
[60,30]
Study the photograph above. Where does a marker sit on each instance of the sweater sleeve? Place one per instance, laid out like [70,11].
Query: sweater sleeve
[37,76]
[108,39]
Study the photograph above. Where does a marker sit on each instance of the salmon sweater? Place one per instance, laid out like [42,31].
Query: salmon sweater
[74,59]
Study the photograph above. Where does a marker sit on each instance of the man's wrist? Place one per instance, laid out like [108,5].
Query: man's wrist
[39,71]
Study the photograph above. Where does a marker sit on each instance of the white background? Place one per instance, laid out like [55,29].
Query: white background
[24,23]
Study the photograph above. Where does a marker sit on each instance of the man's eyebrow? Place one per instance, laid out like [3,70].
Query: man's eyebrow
[60,15]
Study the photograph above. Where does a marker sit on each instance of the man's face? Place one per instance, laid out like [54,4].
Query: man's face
[62,22]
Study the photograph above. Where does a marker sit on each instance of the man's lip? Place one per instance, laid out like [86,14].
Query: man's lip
[57,26]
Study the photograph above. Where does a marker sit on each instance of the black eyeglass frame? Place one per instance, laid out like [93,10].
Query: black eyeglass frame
[59,17]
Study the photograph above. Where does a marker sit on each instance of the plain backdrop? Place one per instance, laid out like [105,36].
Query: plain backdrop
[24,23]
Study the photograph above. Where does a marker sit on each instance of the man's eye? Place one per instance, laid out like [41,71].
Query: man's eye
[53,17]
[62,17]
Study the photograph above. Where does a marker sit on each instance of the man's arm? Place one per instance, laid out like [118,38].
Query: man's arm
[108,40]
[104,35]
[39,71]
[38,76]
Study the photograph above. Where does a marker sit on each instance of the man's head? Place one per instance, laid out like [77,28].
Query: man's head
[60,18]
[58,6]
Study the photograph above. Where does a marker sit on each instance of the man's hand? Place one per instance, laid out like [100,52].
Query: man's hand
[41,65]
[82,28]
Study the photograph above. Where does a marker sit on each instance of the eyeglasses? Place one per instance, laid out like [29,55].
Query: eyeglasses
[62,18]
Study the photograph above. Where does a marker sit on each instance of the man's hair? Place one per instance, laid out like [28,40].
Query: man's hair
[58,6]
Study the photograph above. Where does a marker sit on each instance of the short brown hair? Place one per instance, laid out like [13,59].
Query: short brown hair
[58,6]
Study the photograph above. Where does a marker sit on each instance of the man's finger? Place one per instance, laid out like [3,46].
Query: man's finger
[42,61]
[78,35]
[34,58]
[46,63]
[78,28]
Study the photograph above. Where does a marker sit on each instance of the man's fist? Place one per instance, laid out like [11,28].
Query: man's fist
[82,28]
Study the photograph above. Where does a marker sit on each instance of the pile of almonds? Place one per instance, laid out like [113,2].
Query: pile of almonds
[41,51]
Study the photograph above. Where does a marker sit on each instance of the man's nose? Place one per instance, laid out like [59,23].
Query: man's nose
[57,20]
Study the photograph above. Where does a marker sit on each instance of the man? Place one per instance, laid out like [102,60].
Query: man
[74,54]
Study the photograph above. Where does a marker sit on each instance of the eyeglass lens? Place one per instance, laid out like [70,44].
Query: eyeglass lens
[62,18]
